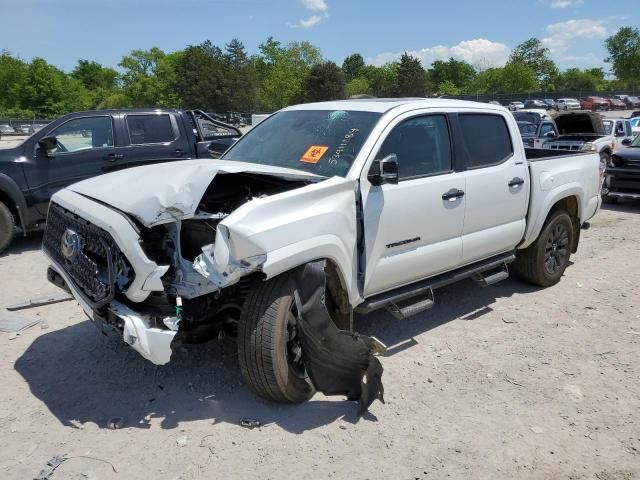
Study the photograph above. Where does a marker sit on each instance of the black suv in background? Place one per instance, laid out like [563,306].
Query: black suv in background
[85,144]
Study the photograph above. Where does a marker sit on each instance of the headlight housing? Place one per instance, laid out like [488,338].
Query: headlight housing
[589,147]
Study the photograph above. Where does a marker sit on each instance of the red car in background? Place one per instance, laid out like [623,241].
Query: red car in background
[615,104]
[594,103]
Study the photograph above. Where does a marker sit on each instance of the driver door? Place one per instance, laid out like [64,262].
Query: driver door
[413,229]
[85,148]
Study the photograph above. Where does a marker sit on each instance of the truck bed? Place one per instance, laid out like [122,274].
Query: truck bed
[537,154]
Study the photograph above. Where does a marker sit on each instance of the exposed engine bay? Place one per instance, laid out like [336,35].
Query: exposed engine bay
[193,303]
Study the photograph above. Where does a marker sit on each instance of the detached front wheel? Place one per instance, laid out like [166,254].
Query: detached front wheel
[268,345]
[545,260]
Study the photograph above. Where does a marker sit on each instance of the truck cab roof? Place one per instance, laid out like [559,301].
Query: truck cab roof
[383,105]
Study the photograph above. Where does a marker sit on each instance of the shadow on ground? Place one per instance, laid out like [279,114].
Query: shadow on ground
[83,376]
[22,244]
[623,205]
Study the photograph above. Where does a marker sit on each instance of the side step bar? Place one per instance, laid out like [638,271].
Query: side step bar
[390,300]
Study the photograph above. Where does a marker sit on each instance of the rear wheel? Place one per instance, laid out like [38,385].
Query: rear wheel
[545,260]
[268,344]
[7,226]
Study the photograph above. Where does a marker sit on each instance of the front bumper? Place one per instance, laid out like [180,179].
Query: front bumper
[152,343]
[622,183]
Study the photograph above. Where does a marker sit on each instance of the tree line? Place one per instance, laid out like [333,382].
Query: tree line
[227,78]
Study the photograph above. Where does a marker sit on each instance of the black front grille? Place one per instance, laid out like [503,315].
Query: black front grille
[98,268]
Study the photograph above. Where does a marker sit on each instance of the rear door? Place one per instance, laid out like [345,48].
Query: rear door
[410,231]
[152,137]
[497,185]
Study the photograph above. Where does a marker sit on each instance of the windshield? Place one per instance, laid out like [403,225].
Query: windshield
[324,142]
[530,117]
[527,129]
[636,141]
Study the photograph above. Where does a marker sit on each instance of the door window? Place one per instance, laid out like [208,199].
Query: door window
[628,129]
[144,129]
[83,134]
[546,128]
[422,146]
[486,139]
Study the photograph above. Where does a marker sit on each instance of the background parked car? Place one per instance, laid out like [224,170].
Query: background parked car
[635,114]
[620,129]
[568,104]
[536,127]
[635,125]
[7,129]
[535,104]
[632,102]
[616,104]
[513,106]
[494,102]
[550,103]
[594,103]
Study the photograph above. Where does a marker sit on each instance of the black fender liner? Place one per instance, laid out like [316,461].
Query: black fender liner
[338,362]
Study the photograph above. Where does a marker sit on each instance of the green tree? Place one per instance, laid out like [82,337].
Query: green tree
[449,88]
[149,78]
[93,75]
[458,72]
[358,86]
[411,77]
[48,92]
[575,79]
[101,82]
[534,55]
[201,78]
[12,77]
[325,81]
[512,78]
[382,80]
[352,66]
[624,55]
[282,70]
[240,77]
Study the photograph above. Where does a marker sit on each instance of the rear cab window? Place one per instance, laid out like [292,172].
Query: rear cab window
[151,128]
[486,139]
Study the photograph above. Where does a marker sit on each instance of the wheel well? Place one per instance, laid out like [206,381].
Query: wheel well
[6,199]
[340,307]
[570,205]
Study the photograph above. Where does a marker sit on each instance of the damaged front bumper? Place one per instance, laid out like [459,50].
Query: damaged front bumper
[154,344]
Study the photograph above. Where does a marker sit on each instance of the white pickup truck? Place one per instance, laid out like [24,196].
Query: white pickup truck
[393,198]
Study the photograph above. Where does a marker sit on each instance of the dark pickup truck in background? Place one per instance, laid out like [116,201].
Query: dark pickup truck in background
[622,176]
[85,144]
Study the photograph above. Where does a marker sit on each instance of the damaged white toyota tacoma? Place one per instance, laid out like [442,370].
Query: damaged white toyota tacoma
[319,211]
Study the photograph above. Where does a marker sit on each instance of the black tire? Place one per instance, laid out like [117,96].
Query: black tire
[545,260]
[7,227]
[263,349]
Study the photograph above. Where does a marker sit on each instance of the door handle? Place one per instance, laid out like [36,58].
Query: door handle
[515,181]
[177,152]
[112,157]
[453,194]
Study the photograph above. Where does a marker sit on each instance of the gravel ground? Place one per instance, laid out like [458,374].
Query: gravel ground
[504,382]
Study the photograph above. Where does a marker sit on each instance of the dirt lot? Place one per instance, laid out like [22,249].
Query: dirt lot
[494,383]
[506,382]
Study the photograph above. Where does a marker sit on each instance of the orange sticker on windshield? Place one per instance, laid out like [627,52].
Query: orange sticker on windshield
[314,154]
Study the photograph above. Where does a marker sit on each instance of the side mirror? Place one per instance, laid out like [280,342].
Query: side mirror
[48,144]
[384,171]
[626,142]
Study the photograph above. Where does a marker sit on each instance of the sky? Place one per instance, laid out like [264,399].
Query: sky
[480,32]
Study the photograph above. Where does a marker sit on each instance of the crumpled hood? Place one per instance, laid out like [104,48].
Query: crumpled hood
[156,194]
